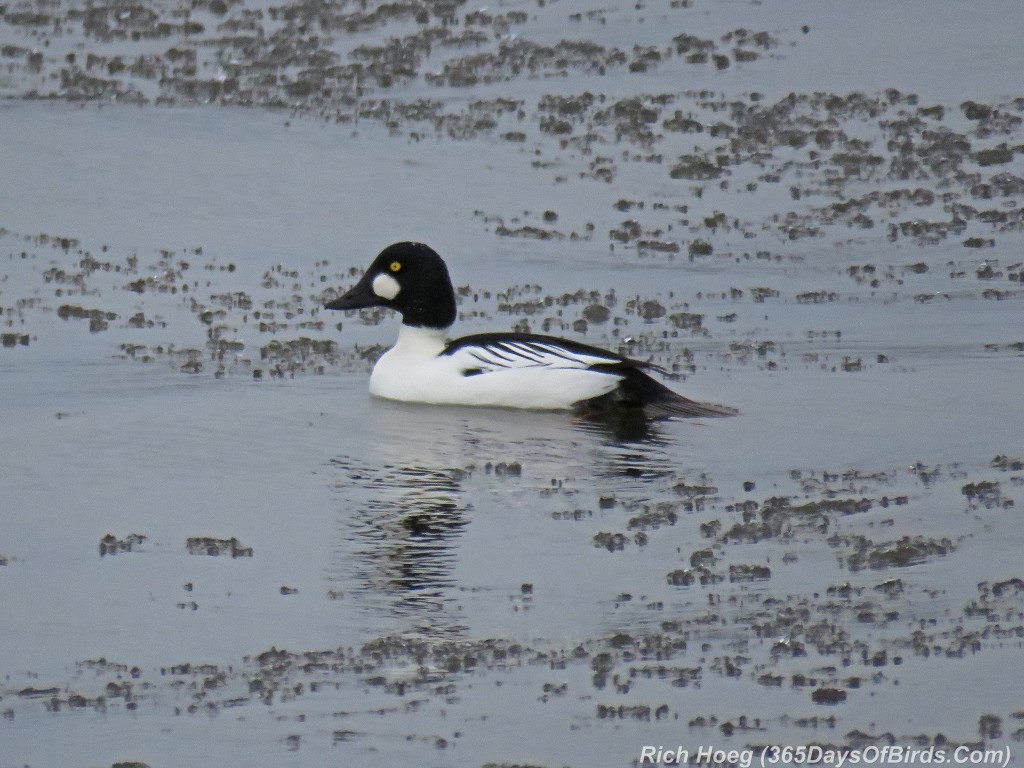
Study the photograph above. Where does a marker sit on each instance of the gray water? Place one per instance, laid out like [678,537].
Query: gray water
[445,586]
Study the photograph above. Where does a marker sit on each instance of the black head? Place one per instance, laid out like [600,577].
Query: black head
[409,278]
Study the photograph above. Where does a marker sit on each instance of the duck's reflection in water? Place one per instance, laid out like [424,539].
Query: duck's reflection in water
[406,499]
[396,547]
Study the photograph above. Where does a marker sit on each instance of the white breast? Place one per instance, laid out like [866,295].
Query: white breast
[415,371]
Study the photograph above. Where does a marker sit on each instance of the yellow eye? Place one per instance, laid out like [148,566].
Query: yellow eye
[395,266]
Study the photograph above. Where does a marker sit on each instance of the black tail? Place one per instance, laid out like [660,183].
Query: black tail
[638,390]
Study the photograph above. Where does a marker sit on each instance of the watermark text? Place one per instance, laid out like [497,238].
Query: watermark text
[777,755]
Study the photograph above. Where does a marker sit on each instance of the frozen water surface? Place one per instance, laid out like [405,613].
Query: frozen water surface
[216,548]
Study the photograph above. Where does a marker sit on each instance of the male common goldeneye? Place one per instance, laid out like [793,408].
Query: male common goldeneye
[512,370]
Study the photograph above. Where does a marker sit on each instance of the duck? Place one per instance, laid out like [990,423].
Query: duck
[500,369]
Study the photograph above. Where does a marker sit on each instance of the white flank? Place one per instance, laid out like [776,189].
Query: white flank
[414,371]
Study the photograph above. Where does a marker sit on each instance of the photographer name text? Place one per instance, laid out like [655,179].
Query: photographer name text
[834,758]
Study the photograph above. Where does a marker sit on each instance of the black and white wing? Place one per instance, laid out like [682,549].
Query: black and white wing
[487,352]
[493,352]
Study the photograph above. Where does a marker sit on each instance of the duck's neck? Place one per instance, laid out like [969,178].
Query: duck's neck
[418,340]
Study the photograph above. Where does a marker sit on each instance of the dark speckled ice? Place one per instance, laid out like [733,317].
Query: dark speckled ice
[459,587]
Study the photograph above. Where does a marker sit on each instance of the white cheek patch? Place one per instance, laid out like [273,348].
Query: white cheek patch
[385,286]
